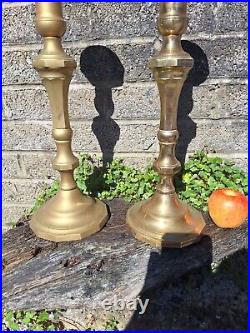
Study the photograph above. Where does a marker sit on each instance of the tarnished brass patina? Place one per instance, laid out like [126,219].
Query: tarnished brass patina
[163,220]
[70,215]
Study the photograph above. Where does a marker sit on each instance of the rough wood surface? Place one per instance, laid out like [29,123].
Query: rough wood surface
[40,274]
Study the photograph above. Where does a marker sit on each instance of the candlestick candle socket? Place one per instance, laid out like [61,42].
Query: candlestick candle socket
[163,220]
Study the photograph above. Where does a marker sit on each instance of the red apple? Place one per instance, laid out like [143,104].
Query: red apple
[227,208]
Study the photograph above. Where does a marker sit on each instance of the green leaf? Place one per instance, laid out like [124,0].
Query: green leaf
[43,316]
[37,328]
[9,315]
[201,175]
[13,326]
[51,327]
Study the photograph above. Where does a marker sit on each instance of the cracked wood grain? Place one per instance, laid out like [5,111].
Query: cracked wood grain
[39,274]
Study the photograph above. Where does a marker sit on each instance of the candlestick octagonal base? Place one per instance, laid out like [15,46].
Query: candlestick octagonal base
[165,221]
[69,216]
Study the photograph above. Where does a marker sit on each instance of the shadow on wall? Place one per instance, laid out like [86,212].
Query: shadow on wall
[103,69]
[197,75]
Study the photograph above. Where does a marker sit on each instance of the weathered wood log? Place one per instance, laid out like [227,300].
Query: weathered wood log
[39,274]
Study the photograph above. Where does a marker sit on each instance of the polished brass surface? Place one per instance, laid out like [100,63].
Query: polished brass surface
[70,215]
[163,220]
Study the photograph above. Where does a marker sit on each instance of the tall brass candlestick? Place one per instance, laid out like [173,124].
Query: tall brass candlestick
[163,220]
[70,215]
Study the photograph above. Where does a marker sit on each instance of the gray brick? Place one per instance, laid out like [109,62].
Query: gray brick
[78,20]
[85,21]
[133,57]
[22,191]
[12,166]
[19,25]
[214,136]
[32,104]
[33,136]
[35,165]
[214,101]
[130,102]
[240,162]
[205,101]
[27,136]
[201,17]
[93,21]
[17,65]
[138,160]
[133,137]
[231,16]
[129,140]
[11,214]
[77,16]
[39,165]
[232,101]
[122,20]
[25,104]
[226,58]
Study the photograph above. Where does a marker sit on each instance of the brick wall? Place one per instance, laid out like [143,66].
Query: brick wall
[213,104]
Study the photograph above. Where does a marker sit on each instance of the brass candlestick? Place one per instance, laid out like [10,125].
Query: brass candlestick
[163,220]
[70,215]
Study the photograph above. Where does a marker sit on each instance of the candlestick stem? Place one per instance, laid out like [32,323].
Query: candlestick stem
[70,215]
[163,220]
